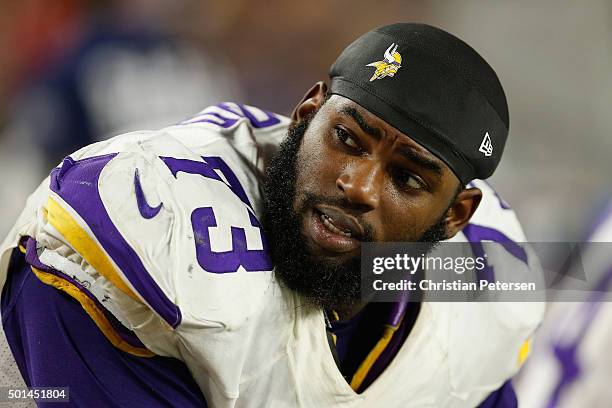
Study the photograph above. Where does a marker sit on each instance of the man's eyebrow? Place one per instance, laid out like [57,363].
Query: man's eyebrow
[405,150]
[410,154]
[370,130]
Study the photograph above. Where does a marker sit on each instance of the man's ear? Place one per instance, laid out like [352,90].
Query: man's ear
[311,101]
[461,210]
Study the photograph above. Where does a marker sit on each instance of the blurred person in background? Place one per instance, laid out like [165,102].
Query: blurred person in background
[571,365]
[120,67]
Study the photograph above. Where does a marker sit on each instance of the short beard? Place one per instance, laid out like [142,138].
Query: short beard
[321,283]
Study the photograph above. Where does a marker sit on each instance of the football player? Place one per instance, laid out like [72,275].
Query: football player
[217,261]
[570,366]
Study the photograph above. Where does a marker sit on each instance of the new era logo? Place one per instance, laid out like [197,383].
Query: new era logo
[486,146]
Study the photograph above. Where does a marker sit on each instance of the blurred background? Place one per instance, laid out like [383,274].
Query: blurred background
[74,71]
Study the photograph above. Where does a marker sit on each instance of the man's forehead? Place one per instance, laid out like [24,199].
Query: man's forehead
[347,107]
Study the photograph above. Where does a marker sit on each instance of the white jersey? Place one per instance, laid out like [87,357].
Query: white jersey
[161,229]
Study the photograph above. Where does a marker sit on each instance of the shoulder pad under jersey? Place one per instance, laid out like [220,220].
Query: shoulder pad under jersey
[172,228]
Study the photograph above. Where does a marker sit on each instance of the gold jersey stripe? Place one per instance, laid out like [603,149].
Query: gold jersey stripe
[368,362]
[524,352]
[93,311]
[82,243]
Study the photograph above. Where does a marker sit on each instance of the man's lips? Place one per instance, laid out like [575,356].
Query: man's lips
[332,230]
[342,221]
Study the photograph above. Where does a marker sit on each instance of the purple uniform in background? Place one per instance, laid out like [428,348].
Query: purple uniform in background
[570,365]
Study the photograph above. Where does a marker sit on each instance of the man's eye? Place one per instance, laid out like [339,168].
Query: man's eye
[406,179]
[345,137]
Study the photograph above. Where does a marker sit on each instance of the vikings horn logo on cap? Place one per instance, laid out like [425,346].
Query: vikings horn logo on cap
[389,66]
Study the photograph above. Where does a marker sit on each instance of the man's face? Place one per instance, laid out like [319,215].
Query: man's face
[341,177]
[358,178]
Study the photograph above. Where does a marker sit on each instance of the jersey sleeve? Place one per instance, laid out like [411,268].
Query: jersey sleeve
[175,232]
[495,233]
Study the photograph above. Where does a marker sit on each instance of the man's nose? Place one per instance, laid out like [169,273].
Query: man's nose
[361,183]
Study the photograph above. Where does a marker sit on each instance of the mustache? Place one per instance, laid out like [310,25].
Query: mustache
[310,200]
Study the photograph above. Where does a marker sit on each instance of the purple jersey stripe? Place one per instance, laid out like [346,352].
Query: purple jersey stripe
[479,233]
[239,110]
[76,182]
[206,118]
[270,120]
